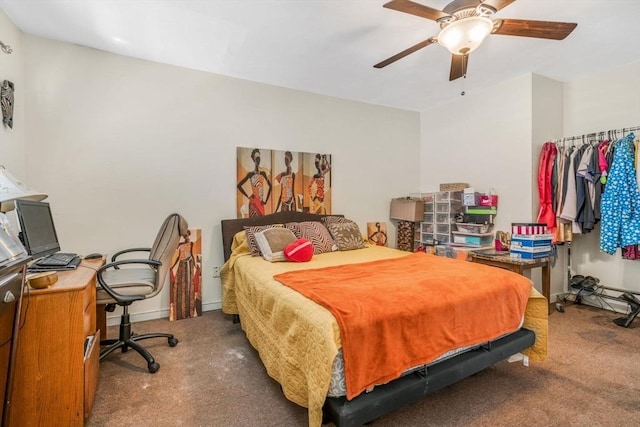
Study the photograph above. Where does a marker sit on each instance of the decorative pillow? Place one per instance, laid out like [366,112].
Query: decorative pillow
[333,219]
[272,242]
[299,251]
[346,234]
[251,238]
[316,233]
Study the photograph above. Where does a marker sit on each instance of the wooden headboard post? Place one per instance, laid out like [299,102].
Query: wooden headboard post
[231,226]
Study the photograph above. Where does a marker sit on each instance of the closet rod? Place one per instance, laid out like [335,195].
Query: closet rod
[606,132]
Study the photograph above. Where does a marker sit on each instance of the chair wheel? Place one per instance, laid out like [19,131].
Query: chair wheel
[173,342]
[153,367]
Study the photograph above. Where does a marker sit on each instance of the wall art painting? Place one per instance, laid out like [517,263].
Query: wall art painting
[185,277]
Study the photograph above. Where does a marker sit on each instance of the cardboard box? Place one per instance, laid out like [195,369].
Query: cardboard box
[407,209]
[517,246]
[453,186]
[531,240]
[528,228]
[528,255]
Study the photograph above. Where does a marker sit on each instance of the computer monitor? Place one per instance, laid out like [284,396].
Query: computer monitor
[38,233]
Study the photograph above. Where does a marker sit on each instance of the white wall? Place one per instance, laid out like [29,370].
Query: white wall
[601,102]
[477,137]
[483,139]
[119,143]
[12,145]
[492,139]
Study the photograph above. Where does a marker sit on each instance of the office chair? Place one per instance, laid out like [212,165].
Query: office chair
[123,286]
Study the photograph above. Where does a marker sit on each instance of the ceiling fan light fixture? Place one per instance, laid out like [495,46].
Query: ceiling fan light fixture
[463,36]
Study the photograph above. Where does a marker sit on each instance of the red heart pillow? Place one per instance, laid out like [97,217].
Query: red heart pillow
[299,251]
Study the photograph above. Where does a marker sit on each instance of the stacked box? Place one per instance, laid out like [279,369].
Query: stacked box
[528,255]
[528,228]
[531,246]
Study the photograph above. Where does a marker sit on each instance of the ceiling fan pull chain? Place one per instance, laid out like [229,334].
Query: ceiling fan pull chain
[463,80]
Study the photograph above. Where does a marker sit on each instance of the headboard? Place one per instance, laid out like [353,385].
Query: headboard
[231,226]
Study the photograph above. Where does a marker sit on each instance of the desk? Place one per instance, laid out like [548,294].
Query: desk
[518,266]
[55,377]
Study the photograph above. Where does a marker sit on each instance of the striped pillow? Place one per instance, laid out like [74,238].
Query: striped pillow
[314,232]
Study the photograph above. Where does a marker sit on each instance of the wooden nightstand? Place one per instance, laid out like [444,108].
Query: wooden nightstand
[518,266]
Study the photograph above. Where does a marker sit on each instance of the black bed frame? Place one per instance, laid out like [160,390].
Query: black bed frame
[394,395]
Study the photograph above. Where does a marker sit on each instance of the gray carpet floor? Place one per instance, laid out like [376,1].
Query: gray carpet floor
[215,378]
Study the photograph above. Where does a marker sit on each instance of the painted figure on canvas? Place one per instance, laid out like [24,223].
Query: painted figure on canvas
[287,181]
[377,233]
[186,279]
[260,186]
[316,187]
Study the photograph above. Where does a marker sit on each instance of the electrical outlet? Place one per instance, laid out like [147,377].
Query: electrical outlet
[216,271]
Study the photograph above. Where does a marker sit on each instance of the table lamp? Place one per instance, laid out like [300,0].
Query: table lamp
[11,189]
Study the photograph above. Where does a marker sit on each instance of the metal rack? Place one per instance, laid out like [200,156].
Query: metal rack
[586,138]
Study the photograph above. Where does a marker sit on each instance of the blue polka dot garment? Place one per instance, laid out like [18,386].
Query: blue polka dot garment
[620,205]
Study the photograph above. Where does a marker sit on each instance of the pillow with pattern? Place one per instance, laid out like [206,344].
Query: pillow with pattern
[332,219]
[251,236]
[346,234]
[314,232]
[272,242]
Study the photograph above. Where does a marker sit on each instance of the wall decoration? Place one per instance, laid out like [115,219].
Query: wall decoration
[317,183]
[377,233]
[287,181]
[254,182]
[6,100]
[282,180]
[185,278]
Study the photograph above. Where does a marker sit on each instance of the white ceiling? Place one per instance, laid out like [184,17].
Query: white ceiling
[330,46]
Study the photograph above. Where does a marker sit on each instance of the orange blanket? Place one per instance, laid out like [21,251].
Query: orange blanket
[399,313]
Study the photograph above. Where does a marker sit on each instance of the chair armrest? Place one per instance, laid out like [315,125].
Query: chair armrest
[117,254]
[123,299]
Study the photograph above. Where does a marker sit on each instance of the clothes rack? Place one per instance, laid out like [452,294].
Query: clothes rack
[613,133]
[589,138]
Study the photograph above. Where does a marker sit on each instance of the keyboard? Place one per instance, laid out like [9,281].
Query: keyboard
[58,259]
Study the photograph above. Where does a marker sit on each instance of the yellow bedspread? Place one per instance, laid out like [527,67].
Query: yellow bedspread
[298,339]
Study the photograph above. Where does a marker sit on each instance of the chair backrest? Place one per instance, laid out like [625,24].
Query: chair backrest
[165,245]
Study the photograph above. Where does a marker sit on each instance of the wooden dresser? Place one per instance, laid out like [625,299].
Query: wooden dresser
[57,359]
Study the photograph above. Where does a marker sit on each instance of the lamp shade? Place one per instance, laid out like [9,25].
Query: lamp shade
[465,35]
[12,188]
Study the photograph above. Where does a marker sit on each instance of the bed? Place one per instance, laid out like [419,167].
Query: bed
[299,340]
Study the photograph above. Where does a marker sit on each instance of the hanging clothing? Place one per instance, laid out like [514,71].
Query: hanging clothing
[563,228]
[585,188]
[570,209]
[621,200]
[545,186]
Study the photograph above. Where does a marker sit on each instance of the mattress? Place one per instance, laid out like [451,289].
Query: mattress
[338,386]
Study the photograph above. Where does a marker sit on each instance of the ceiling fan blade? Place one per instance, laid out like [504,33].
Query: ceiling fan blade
[417,9]
[537,29]
[498,4]
[458,66]
[405,52]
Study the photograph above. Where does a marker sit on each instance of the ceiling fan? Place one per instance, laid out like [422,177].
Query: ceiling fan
[464,24]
